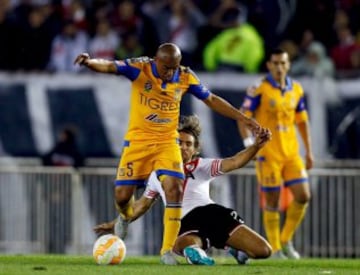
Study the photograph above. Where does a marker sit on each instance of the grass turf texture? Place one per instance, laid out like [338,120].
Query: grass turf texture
[69,265]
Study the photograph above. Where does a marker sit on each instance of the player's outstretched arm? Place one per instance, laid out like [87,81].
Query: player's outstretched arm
[97,65]
[244,156]
[223,107]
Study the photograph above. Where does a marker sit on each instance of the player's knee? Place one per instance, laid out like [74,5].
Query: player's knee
[303,198]
[173,189]
[266,251]
[122,196]
[173,194]
[120,201]
[263,251]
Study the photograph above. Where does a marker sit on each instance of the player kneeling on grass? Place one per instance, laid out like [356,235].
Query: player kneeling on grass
[205,223]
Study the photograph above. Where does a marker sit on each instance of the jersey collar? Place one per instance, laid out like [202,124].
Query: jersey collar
[288,83]
[175,77]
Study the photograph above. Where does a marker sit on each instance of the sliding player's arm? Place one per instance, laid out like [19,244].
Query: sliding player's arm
[97,65]
[243,157]
[148,198]
[141,206]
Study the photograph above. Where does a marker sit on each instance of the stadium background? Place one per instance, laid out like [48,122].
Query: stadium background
[37,100]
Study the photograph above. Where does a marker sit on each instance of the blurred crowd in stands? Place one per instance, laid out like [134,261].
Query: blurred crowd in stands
[321,36]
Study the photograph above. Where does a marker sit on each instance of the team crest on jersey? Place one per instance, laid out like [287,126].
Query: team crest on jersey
[190,167]
[292,102]
[147,86]
[177,94]
[272,103]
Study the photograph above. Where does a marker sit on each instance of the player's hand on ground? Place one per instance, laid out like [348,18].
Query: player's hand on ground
[262,137]
[104,228]
[82,58]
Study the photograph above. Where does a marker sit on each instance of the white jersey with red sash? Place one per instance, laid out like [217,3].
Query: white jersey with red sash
[199,174]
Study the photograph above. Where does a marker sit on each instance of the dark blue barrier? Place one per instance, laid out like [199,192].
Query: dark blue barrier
[15,128]
[344,129]
[78,108]
[226,131]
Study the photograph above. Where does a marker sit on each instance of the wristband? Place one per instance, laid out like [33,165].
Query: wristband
[248,141]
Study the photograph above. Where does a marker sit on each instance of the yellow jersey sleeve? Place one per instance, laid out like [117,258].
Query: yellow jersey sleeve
[251,100]
[131,68]
[301,114]
[196,88]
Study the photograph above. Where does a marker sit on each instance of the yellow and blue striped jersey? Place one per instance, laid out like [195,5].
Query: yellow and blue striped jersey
[279,110]
[155,104]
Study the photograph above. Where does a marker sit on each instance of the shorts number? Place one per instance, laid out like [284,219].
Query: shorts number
[130,170]
[236,217]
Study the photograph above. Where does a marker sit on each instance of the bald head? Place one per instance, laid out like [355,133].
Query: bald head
[168,52]
[167,60]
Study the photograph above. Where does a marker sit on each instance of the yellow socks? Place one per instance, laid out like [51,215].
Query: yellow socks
[271,219]
[294,215]
[172,216]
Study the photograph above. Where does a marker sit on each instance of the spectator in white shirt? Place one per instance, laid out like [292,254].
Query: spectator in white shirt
[65,48]
[103,45]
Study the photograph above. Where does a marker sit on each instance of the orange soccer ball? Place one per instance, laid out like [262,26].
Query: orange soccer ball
[109,249]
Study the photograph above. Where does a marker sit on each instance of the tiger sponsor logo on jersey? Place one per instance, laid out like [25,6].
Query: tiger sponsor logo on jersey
[156,104]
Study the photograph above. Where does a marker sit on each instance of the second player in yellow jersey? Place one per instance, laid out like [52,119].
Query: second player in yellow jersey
[278,103]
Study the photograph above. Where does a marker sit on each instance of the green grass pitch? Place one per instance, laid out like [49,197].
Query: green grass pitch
[69,265]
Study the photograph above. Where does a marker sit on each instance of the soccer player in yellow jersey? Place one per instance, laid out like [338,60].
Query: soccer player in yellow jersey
[278,103]
[151,141]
